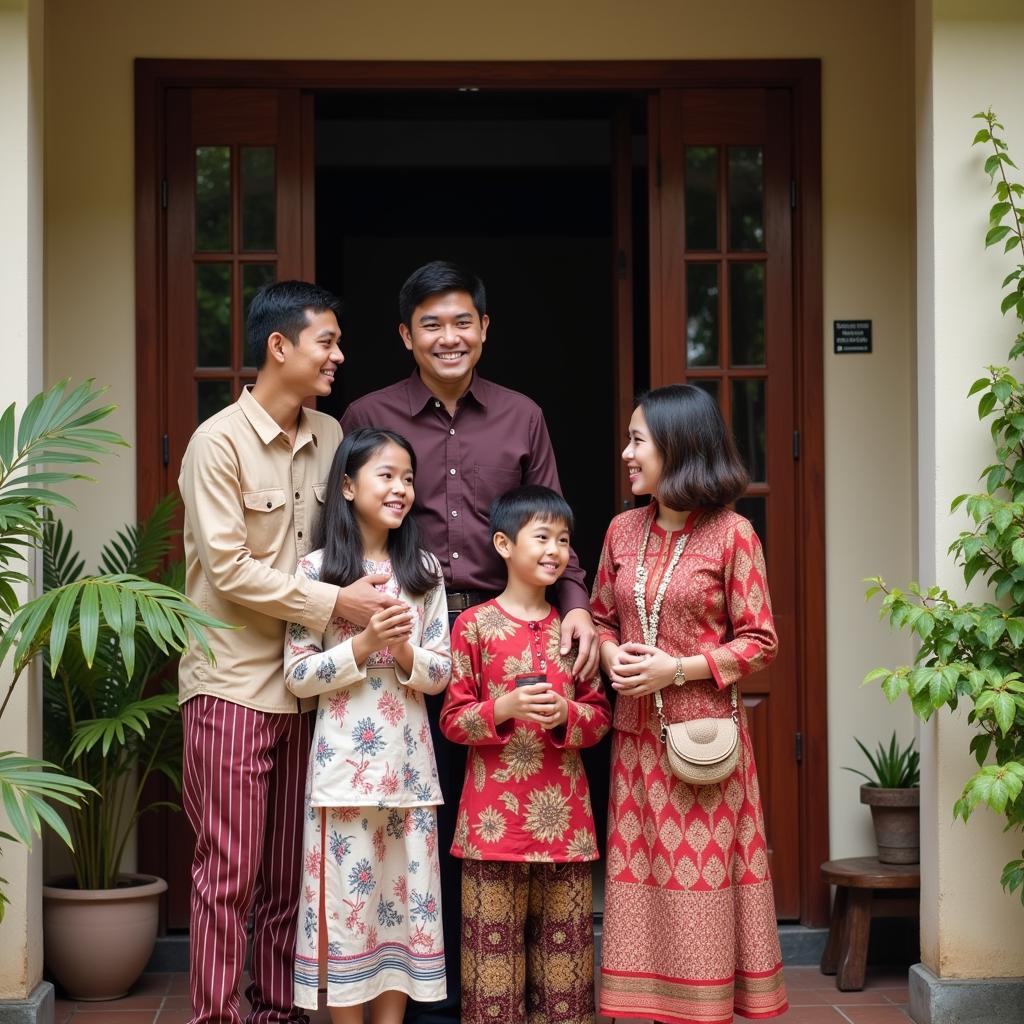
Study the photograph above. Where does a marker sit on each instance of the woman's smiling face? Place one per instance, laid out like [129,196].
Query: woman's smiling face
[643,460]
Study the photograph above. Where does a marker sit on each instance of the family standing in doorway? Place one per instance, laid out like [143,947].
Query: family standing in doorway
[397,582]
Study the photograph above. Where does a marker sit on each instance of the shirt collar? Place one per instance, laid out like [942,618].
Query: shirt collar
[420,395]
[266,427]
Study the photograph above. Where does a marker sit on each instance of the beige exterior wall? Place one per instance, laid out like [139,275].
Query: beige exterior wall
[866,49]
[21,298]
[968,60]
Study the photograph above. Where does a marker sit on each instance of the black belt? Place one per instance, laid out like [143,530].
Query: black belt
[460,600]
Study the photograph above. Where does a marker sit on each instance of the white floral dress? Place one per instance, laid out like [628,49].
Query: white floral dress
[370,862]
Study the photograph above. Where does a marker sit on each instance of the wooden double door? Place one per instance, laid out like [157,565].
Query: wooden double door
[727,256]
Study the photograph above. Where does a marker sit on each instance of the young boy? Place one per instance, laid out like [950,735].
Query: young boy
[525,829]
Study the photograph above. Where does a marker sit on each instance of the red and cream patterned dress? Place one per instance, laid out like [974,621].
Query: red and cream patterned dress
[689,922]
[525,797]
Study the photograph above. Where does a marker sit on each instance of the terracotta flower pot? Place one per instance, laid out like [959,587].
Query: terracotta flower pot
[896,815]
[97,941]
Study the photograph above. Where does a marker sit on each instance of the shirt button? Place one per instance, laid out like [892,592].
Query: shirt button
[437,404]
[451,430]
[300,535]
[455,554]
[452,471]
[270,504]
[296,495]
[455,513]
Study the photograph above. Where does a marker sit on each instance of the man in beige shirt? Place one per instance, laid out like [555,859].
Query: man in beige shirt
[253,480]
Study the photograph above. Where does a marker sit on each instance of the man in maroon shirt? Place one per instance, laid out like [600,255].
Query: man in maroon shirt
[474,440]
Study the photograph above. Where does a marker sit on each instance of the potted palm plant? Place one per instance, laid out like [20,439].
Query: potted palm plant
[115,730]
[86,620]
[892,793]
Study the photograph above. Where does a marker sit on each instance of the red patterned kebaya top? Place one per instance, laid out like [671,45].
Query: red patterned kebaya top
[716,604]
[525,795]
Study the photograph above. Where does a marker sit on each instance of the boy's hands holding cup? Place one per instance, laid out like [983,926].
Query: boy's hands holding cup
[532,702]
[388,627]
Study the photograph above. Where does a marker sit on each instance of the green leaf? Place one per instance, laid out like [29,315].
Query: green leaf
[89,621]
[999,211]
[986,405]
[1004,709]
[996,234]
[983,134]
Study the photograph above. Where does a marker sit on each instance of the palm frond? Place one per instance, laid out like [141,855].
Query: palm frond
[139,549]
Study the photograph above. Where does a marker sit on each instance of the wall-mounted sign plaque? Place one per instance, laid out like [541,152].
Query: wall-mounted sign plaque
[851,336]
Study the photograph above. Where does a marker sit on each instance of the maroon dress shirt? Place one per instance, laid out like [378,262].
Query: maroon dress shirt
[497,439]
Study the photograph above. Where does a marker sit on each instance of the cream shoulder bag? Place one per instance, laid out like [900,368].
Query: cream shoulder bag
[703,751]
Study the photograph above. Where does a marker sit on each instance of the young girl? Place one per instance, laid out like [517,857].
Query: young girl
[370,864]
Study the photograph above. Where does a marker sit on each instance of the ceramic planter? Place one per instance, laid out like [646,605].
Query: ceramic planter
[896,814]
[98,941]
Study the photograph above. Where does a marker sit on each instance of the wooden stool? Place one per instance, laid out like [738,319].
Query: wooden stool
[856,879]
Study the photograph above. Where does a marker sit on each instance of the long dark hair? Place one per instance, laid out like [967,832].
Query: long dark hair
[701,467]
[338,532]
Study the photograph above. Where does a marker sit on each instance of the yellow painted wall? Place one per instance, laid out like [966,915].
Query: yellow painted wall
[867,57]
[969,52]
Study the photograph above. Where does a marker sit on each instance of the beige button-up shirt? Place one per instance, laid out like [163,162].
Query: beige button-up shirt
[251,503]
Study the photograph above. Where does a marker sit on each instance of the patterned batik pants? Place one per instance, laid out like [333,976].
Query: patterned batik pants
[527,943]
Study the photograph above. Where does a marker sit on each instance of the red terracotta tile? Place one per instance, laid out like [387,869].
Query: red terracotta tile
[146,1001]
[875,1015]
[152,983]
[103,1012]
[811,1015]
[899,995]
[867,996]
[63,1011]
[179,984]
[172,1017]
[810,996]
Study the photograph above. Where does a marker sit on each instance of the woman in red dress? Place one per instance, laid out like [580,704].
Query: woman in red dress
[689,922]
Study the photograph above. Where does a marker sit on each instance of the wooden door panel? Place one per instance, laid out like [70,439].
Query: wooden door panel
[722,318]
[235,220]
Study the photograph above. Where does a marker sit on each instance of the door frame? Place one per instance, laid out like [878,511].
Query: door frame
[802,78]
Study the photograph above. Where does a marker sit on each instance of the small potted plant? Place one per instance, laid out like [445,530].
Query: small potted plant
[893,795]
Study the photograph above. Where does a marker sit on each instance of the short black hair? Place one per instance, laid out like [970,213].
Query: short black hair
[284,307]
[439,278]
[511,511]
[701,466]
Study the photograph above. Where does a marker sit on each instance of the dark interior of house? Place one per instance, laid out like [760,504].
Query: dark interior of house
[519,190]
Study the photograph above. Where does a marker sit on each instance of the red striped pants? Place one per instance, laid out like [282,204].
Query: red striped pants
[242,785]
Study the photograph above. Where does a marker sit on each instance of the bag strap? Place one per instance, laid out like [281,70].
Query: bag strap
[659,703]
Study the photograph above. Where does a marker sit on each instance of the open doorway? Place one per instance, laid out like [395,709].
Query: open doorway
[520,189]
[616,197]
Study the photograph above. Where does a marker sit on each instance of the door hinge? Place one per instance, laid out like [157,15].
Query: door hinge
[163,193]
[798,746]
[165,449]
[792,194]
[796,445]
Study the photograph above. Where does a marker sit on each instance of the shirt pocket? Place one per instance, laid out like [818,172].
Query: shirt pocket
[489,482]
[265,519]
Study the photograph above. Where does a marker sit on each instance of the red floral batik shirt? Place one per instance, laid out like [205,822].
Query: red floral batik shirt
[525,795]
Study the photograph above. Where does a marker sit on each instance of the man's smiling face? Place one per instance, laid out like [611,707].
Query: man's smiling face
[446,338]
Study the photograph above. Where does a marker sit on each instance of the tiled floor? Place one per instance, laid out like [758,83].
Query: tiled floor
[813,998]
